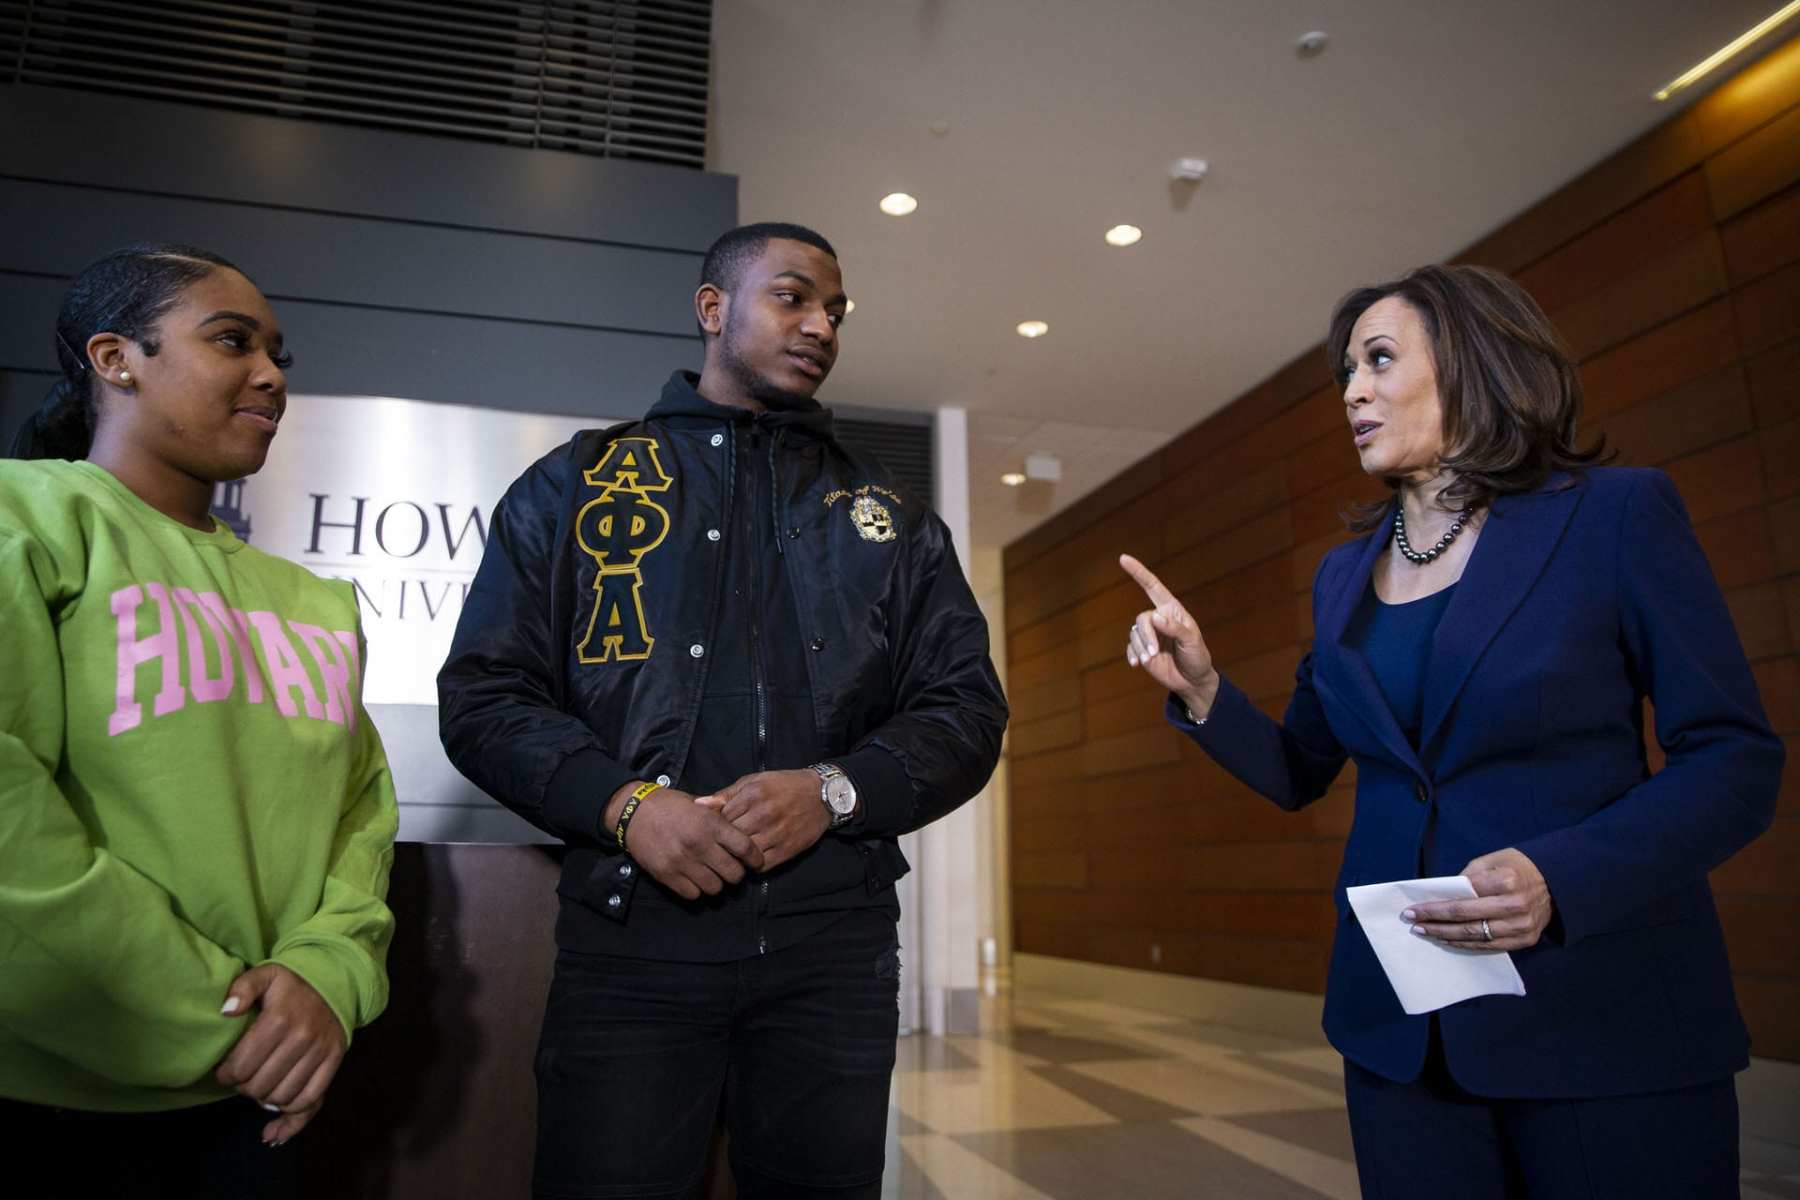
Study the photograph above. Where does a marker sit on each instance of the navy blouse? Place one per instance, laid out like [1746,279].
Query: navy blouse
[1395,639]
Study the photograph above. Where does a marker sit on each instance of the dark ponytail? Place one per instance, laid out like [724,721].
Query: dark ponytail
[126,293]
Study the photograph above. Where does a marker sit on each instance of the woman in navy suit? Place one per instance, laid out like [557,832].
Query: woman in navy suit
[1484,653]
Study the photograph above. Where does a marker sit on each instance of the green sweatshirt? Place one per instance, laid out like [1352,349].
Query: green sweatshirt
[189,786]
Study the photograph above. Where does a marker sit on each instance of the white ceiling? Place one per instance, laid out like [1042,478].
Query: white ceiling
[1426,124]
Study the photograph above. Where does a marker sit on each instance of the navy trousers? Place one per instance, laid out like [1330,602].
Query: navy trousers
[1431,1139]
[796,1047]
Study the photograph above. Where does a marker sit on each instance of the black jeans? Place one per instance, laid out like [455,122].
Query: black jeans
[210,1152]
[798,1044]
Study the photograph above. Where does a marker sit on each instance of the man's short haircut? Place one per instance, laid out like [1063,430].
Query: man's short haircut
[726,258]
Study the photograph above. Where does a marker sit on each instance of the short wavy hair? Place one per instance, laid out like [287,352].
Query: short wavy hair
[1510,390]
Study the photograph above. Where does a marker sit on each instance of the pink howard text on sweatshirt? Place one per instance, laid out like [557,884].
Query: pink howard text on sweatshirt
[333,652]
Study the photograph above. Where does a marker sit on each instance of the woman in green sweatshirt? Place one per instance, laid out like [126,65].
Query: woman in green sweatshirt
[196,817]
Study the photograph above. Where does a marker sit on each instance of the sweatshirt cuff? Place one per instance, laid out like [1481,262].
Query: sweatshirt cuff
[575,798]
[885,790]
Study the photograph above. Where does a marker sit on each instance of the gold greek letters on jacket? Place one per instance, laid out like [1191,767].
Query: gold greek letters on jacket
[617,529]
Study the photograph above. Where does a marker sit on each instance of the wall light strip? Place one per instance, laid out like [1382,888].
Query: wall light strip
[1726,51]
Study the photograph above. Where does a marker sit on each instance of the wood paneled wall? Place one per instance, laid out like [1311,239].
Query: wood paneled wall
[1673,268]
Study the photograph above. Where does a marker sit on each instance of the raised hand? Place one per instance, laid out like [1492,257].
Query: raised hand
[780,810]
[1166,643]
[687,847]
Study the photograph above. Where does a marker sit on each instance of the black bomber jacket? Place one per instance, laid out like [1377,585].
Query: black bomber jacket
[580,661]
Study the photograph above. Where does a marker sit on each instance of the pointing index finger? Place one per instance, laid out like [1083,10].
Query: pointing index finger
[1146,579]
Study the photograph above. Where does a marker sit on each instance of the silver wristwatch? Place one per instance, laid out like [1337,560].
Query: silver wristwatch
[837,792]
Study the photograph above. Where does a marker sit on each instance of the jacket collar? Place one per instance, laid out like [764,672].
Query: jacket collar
[1518,537]
[680,399]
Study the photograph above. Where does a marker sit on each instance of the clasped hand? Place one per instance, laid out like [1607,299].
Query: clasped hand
[290,1053]
[697,845]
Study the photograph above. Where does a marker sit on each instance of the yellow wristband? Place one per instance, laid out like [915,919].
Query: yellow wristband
[631,806]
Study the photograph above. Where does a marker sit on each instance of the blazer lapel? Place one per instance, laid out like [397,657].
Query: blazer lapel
[1516,542]
[1365,698]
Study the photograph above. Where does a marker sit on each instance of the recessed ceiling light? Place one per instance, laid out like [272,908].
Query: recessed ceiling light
[849,307]
[1033,329]
[1726,51]
[1123,235]
[898,204]
[1013,478]
[1313,44]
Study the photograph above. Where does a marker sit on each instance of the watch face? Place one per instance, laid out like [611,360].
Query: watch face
[840,795]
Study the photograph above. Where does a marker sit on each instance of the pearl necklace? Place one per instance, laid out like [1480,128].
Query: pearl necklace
[1418,558]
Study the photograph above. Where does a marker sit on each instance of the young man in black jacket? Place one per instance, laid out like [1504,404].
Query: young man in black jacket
[716,648]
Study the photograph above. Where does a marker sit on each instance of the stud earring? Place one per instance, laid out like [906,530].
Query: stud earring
[125,378]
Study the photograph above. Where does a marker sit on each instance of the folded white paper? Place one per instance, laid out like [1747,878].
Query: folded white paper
[1428,975]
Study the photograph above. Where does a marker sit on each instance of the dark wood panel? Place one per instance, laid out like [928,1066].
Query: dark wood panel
[1760,615]
[1297,965]
[1666,357]
[1044,770]
[1738,548]
[1043,636]
[1760,931]
[1052,696]
[1766,237]
[1057,869]
[1230,551]
[1775,383]
[1769,1004]
[1199,509]
[1762,164]
[1778,683]
[1768,310]
[1694,415]
[1130,751]
[1766,866]
[1661,288]
[1049,733]
[1600,256]
[1722,480]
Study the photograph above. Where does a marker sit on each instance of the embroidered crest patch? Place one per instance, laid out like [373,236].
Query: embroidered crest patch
[872,519]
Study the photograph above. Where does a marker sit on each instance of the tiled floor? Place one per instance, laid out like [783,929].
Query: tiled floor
[1060,1099]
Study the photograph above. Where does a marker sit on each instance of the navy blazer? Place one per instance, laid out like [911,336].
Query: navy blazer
[1579,601]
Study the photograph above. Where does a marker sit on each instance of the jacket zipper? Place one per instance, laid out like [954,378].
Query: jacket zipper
[757,684]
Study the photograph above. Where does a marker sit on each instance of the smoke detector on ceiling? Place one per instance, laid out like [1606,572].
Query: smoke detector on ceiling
[1188,170]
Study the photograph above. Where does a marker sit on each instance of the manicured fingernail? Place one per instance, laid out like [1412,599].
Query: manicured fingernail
[271,1108]
[1409,916]
[231,1006]
[1420,932]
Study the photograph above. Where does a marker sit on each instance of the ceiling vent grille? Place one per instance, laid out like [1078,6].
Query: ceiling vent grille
[622,79]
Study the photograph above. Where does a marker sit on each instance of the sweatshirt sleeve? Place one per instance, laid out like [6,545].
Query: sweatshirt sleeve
[96,966]
[341,950]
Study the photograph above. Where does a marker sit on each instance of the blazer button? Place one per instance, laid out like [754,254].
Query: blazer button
[624,870]
[818,643]
[613,901]
[1419,792]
